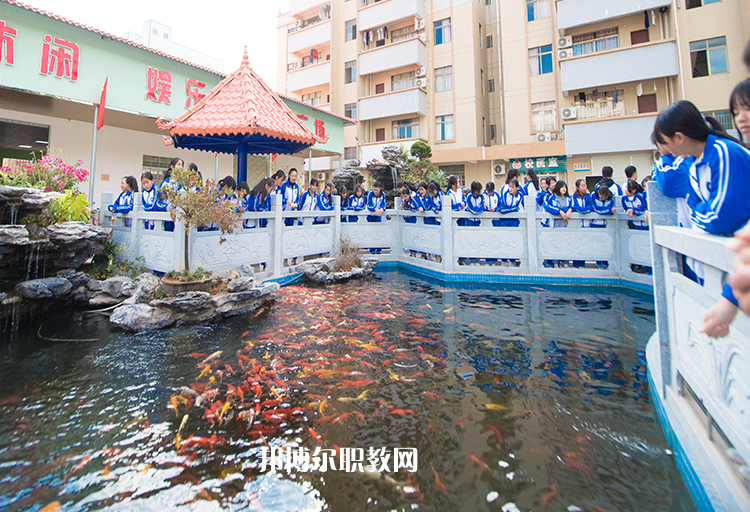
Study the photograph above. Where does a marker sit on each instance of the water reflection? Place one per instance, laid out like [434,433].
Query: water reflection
[538,395]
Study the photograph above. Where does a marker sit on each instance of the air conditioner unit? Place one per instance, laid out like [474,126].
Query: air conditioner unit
[423,38]
[418,24]
[499,169]
[421,82]
[543,137]
[569,113]
[298,23]
[564,54]
[321,175]
[421,71]
[564,42]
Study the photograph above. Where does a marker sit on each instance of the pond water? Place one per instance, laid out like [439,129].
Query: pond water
[527,397]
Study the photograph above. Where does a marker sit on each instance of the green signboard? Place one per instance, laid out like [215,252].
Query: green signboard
[541,164]
[320,124]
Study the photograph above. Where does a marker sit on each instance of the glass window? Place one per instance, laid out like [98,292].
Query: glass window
[600,105]
[544,116]
[350,72]
[592,42]
[406,129]
[537,9]
[457,170]
[445,127]
[444,79]
[493,131]
[540,60]
[401,34]
[350,153]
[351,30]
[709,57]
[724,117]
[403,81]
[692,4]
[481,79]
[350,110]
[491,85]
[314,98]
[443,31]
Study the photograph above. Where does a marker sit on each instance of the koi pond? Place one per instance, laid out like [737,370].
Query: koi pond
[504,398]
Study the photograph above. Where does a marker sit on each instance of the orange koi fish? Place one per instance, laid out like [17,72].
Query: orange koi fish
[440,484]
[550,495]
[496,432]
[478,461]
[315,435]
[434,395]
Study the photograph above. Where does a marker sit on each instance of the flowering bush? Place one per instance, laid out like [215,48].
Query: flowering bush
[47,173]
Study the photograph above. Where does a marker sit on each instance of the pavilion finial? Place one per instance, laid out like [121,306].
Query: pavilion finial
[245,61]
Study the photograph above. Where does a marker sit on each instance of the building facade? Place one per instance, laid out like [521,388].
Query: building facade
[563,87]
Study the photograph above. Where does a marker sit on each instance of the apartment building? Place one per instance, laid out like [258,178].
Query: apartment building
[562,87]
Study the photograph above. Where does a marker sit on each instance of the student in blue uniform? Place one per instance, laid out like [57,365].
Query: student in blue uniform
[308,199]
[124,202]
[167,182]
[532,187]
[424,204]
[513,174]
[289,192]
[344,195]
[581,202]
[436,203]
[408,204]
[492,201]
[608,182]
[261,198]
[357,202]
[474,205]
[547,185]
[149,197]
[719,181]
[324,203]
[244,203]
[604,204]
[511,202]
[631,173]
[558,203]
[376,205]
[634,205]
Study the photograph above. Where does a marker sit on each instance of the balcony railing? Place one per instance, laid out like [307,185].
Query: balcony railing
[310,37]
[575,13]
[406,53]
[309,76]
[409,101]
[613,135]
[377,14]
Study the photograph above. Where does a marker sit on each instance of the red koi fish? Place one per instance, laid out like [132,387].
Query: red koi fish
[550,495]
[481,463]
[342,417]
[199,354]
[496,432]
[433,395]
[315,435]
[440,484]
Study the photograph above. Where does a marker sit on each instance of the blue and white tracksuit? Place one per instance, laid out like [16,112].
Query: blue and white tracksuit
[264,206]
[510,203]
[436,206]
[149,199]
[639,206]
[323,203]
[474,205]
[307,203]
[554,205]
[582,205]
[373,203]
[601,208]
[247,206]
[289,192]
[492,203]
[356,204]
[123,204]
[410,206]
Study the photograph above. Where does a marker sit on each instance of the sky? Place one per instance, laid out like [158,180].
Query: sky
[222,32]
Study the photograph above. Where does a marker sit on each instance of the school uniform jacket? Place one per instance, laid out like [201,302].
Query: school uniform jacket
[584,205]
[457,198]
[323,204]
[374,202]
[307,201]
[124,202]
[357,204]
[289,192]
[554,205]
[491,201]
[149,198]
[602,208]
[672,176]
[510,203]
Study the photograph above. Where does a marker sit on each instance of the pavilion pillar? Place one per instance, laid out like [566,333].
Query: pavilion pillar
[242,161]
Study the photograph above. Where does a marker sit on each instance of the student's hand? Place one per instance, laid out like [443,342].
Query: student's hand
[740,279]
[421,209]
[463,205]
[614,210]
[629,213]
[110,208]
[380,212]
[294,206]
[717,319]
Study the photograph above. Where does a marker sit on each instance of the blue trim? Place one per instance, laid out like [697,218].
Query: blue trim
[688,472]
[287,279]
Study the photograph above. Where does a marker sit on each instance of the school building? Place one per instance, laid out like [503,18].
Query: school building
[562,87]
[52,72]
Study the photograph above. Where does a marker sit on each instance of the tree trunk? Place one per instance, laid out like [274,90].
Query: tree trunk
[187,250]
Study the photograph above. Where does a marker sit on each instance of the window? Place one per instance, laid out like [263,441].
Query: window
[484,132]
[350,153]
[379,134]
[156,165]
[445,128]
[709,57]
[351,30]
[406,129]
[401,34]
[481,80]
[489,41]
[639,36]
[724,117]
[647,103]
[493,131]
[600,105]
[480,35]
[454,170]
[156,32]
[692,4]
[166,36]
[537,9]
[350,110]
[540,60]
[444,79]
[314,98]
[592,42]
[403,81]
[379,88]
[544,116]
[350,72]
[443,31]
[491,85]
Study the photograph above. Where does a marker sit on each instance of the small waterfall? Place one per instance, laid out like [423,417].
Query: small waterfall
[32,258]
[13,213]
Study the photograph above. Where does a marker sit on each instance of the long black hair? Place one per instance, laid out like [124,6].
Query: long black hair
[558,186]
[513,173]
[132,183]
[172,165]
[260,188]
[684,117]
[533,177]
[740,97]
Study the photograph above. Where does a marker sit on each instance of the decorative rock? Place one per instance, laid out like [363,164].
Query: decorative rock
[104,300]
[321,270]
[141,317]
[14,235]
[48,288]
[76,279]
[39,200]
[68,232]
[94,285]
[118,286]
[244,270]
[145,286]
[240,284]
[17,191]
[80,295]
[184,302]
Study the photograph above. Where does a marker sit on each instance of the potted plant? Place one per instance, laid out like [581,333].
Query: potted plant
[197,205]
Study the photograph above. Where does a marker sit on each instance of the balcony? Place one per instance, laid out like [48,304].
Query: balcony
[406,53]
[296,7]
[574,13]
[614,135]
[374,150]
[383,13]
[409,101]
[309,76]
[629,64]
[309,37]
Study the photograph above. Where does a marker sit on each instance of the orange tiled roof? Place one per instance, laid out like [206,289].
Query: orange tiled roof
[108,35]
[242,104]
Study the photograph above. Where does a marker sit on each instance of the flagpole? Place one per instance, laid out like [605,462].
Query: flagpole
[92,174]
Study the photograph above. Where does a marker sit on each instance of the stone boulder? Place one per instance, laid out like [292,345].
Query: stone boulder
[186,302]
[39,200]
[145,286]
[14,235]
[47,288]
[118,287]
[240,284]
[104,300]
[321,270]
[244,270]
[12,192]
[141,317]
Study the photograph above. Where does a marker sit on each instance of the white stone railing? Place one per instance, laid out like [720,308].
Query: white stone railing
[445,247]
[717,371]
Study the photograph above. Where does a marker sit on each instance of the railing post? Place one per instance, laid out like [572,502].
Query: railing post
[662,212]
[446,223]
[278,263]
[106,201]
[529,204]
[336,224]
[397,249]
[135,231]
[179,244]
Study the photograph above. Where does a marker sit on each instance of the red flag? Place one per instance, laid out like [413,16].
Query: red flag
[100,119]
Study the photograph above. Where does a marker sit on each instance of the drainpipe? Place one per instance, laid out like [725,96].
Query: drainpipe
[500,73]
[679,53]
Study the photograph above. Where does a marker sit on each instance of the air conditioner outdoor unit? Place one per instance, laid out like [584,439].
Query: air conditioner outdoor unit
[298,23]
[418,24]
[564,54]
[564,42]
[423,38]
[499,169]
[321,175]
[569,113]
[543,137]
[422,82]
[421,71]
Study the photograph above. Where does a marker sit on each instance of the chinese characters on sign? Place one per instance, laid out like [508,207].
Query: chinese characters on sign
[546,163]
[6,43]
[320,129]
[158,82]
[191,89]
[59,57]
[349,460]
